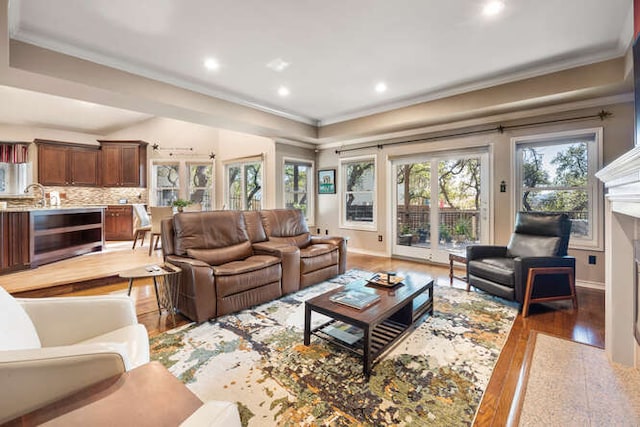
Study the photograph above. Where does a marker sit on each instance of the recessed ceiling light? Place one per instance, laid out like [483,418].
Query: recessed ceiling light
[493,7]
[283,91]
[278,64]
[211,64]
[381,87]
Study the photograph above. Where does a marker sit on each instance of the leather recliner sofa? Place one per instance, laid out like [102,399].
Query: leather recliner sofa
[229,262]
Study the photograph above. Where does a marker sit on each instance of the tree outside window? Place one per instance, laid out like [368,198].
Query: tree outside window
[358,183]
[298,179]
[167,183]
[244,186]
[200,180]
[557,175]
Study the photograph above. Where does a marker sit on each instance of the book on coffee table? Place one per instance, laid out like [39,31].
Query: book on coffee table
[344,332]
[355,298]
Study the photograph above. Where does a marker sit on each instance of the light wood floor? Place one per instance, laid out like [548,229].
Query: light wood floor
[584,325]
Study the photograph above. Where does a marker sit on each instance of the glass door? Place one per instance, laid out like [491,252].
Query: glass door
[440,204]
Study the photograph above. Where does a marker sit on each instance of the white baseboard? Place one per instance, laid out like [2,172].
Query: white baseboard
[591,285]
[366,252]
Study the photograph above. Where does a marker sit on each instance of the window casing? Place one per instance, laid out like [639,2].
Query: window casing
[298,187]
[244,185]
[358,193]
[556,173]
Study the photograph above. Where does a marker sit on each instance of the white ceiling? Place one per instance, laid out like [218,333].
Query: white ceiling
[338,50]
[27,108]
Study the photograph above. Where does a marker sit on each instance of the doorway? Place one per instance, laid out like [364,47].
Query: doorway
[440,203]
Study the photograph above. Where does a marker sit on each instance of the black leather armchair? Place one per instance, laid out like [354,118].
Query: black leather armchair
[539,240]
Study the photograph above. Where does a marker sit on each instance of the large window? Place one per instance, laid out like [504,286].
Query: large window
[166,183]
[244,185]
[172,180]
[556,173]
[200,180]
[298,186]
[358,192]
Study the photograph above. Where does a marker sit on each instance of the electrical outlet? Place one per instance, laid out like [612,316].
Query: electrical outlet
[317,231]
[592,259]
[379,237]
[326,232]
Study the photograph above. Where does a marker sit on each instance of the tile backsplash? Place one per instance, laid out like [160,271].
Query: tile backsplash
[80,196]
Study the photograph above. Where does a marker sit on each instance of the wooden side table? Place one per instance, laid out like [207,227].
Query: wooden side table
[457,257]
[166,281]
[145,396]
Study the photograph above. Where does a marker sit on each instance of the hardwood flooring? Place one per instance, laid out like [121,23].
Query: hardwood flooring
[584,325]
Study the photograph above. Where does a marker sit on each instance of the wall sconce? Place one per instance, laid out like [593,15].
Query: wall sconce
[503,186]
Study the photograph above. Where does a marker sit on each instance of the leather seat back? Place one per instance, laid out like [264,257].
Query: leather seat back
[215,237]
[286,226]
[538,234]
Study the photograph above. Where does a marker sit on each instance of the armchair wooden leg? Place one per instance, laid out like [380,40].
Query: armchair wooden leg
[531,278]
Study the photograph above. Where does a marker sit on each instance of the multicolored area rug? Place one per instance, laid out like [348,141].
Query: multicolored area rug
[435,376]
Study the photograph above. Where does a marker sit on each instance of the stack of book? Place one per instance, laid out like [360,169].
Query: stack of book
[355,298]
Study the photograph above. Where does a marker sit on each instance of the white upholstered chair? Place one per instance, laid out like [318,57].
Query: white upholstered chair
[53,347]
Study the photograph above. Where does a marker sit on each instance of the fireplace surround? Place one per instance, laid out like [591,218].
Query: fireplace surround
[621,178]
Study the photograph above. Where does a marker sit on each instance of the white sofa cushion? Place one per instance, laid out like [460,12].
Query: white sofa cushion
[131,341]
[17,331]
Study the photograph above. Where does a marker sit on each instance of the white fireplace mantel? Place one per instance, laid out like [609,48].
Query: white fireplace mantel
[621,178]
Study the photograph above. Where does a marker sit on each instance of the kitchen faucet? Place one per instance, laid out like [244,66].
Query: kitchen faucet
[38,203]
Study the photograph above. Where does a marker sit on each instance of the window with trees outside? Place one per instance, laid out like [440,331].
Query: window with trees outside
[556,173]
[173,180]
[298,186]
[200,180]
[358,192]
[244,185]
[166,182]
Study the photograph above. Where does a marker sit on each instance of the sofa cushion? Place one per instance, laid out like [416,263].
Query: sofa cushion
[17,331]
[252,263]
[301,241]
[317,249]
[499,270]
[222,255]
[255,229]
[239,282]
[526,245]
[208,230]
[318,261]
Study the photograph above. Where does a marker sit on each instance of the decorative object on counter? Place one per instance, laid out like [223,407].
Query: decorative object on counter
[42,202]
[180,204]
[54,198]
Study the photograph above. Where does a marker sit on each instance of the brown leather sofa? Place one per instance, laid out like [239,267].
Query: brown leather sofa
[320,257]
[232,260]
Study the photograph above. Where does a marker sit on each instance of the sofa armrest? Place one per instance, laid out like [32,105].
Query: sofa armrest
[522,266]
[36,377]
[290,260]
[197,296]
[338,241]
[64,321]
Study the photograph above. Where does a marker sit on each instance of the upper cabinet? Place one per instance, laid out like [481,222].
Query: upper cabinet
[124,163]
[64,164]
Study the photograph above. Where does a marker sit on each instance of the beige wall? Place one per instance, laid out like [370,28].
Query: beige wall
[618,138]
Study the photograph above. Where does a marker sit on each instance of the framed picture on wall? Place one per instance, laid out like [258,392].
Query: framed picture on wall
[327,181]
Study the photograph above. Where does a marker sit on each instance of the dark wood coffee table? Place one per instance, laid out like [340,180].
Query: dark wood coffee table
[382,324]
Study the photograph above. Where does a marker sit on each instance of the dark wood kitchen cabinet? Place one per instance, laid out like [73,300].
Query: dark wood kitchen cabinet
[124,163]
[14,241]
[118,222]
[67,164]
